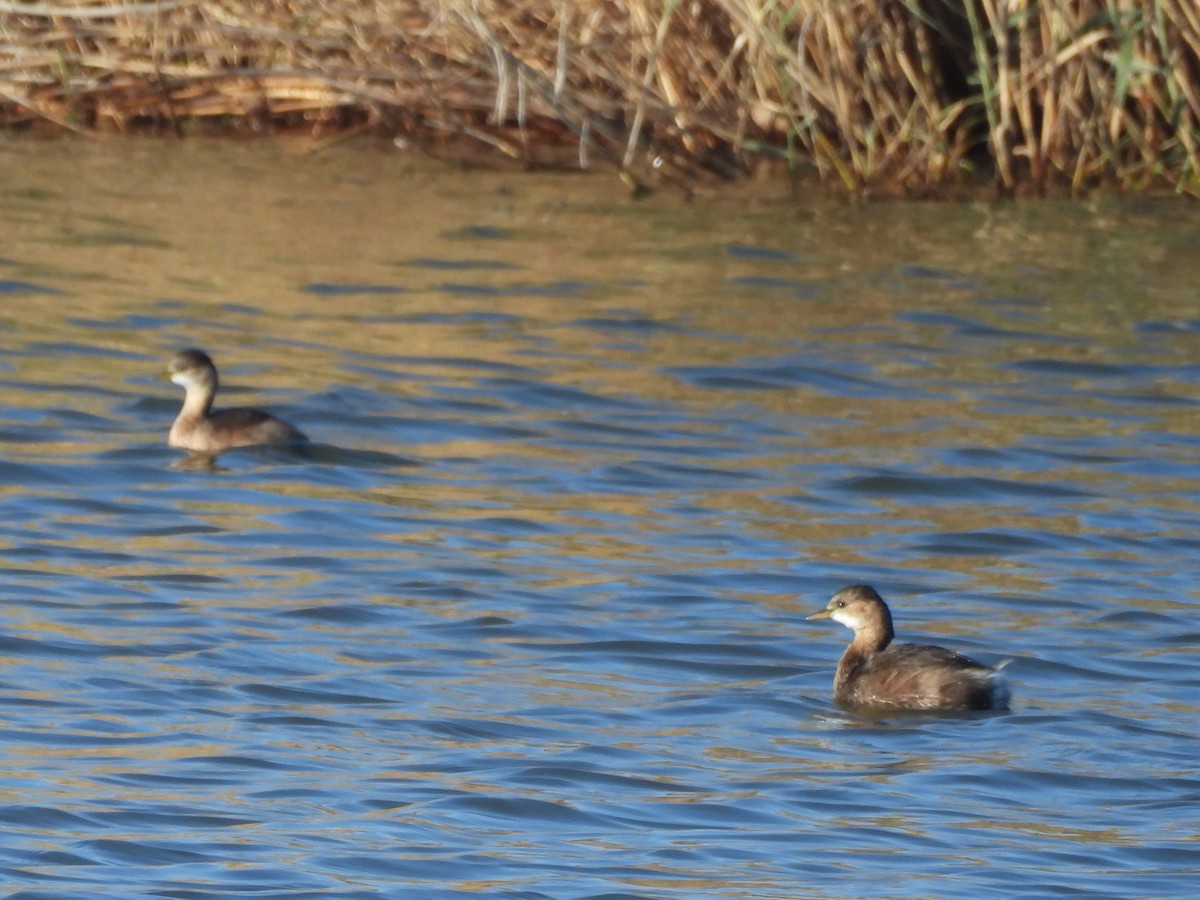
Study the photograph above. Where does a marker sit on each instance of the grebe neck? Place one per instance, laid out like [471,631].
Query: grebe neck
[872,638]
[198,401]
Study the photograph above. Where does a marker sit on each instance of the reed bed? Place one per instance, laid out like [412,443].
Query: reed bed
[866,95]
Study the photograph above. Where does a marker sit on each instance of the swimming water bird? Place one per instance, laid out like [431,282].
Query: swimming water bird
[202,430]
[874,672]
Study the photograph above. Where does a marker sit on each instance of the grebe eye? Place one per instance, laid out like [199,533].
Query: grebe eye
[841,604]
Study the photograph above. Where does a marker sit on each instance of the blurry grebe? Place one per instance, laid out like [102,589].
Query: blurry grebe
[875,672]
[199,429]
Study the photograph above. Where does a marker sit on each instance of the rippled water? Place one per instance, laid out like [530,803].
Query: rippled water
[527,620]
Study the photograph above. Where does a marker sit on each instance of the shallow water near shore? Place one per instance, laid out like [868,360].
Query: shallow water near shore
[527,618]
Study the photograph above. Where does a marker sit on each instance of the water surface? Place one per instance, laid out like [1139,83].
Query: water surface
[527,619]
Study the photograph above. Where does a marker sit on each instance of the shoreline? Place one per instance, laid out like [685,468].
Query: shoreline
[882,99]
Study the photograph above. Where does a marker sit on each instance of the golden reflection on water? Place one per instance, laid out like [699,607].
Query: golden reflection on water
[581,464]
[156,245]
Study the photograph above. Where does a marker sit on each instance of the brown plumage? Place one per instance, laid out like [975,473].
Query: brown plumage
[200,429]
[874,672]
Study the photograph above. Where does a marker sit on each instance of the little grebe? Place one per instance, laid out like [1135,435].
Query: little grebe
[874,672]
[201,430]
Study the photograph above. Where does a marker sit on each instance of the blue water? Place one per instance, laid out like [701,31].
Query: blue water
[527,618]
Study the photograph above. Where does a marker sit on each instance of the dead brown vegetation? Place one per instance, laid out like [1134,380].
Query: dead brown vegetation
[868,95]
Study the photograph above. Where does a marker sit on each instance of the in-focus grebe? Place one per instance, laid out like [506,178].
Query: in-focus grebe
[874,672]
[201,430]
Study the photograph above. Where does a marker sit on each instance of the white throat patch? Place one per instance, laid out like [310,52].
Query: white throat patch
[845,617]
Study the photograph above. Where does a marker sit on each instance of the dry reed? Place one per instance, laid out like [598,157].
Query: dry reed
[869,95]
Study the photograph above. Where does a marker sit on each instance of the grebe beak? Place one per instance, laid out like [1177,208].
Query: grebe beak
[823,614]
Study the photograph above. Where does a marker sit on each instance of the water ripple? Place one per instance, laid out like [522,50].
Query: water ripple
[526,618]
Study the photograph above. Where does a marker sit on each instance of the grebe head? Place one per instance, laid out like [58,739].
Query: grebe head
[859,608]
[192,369]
